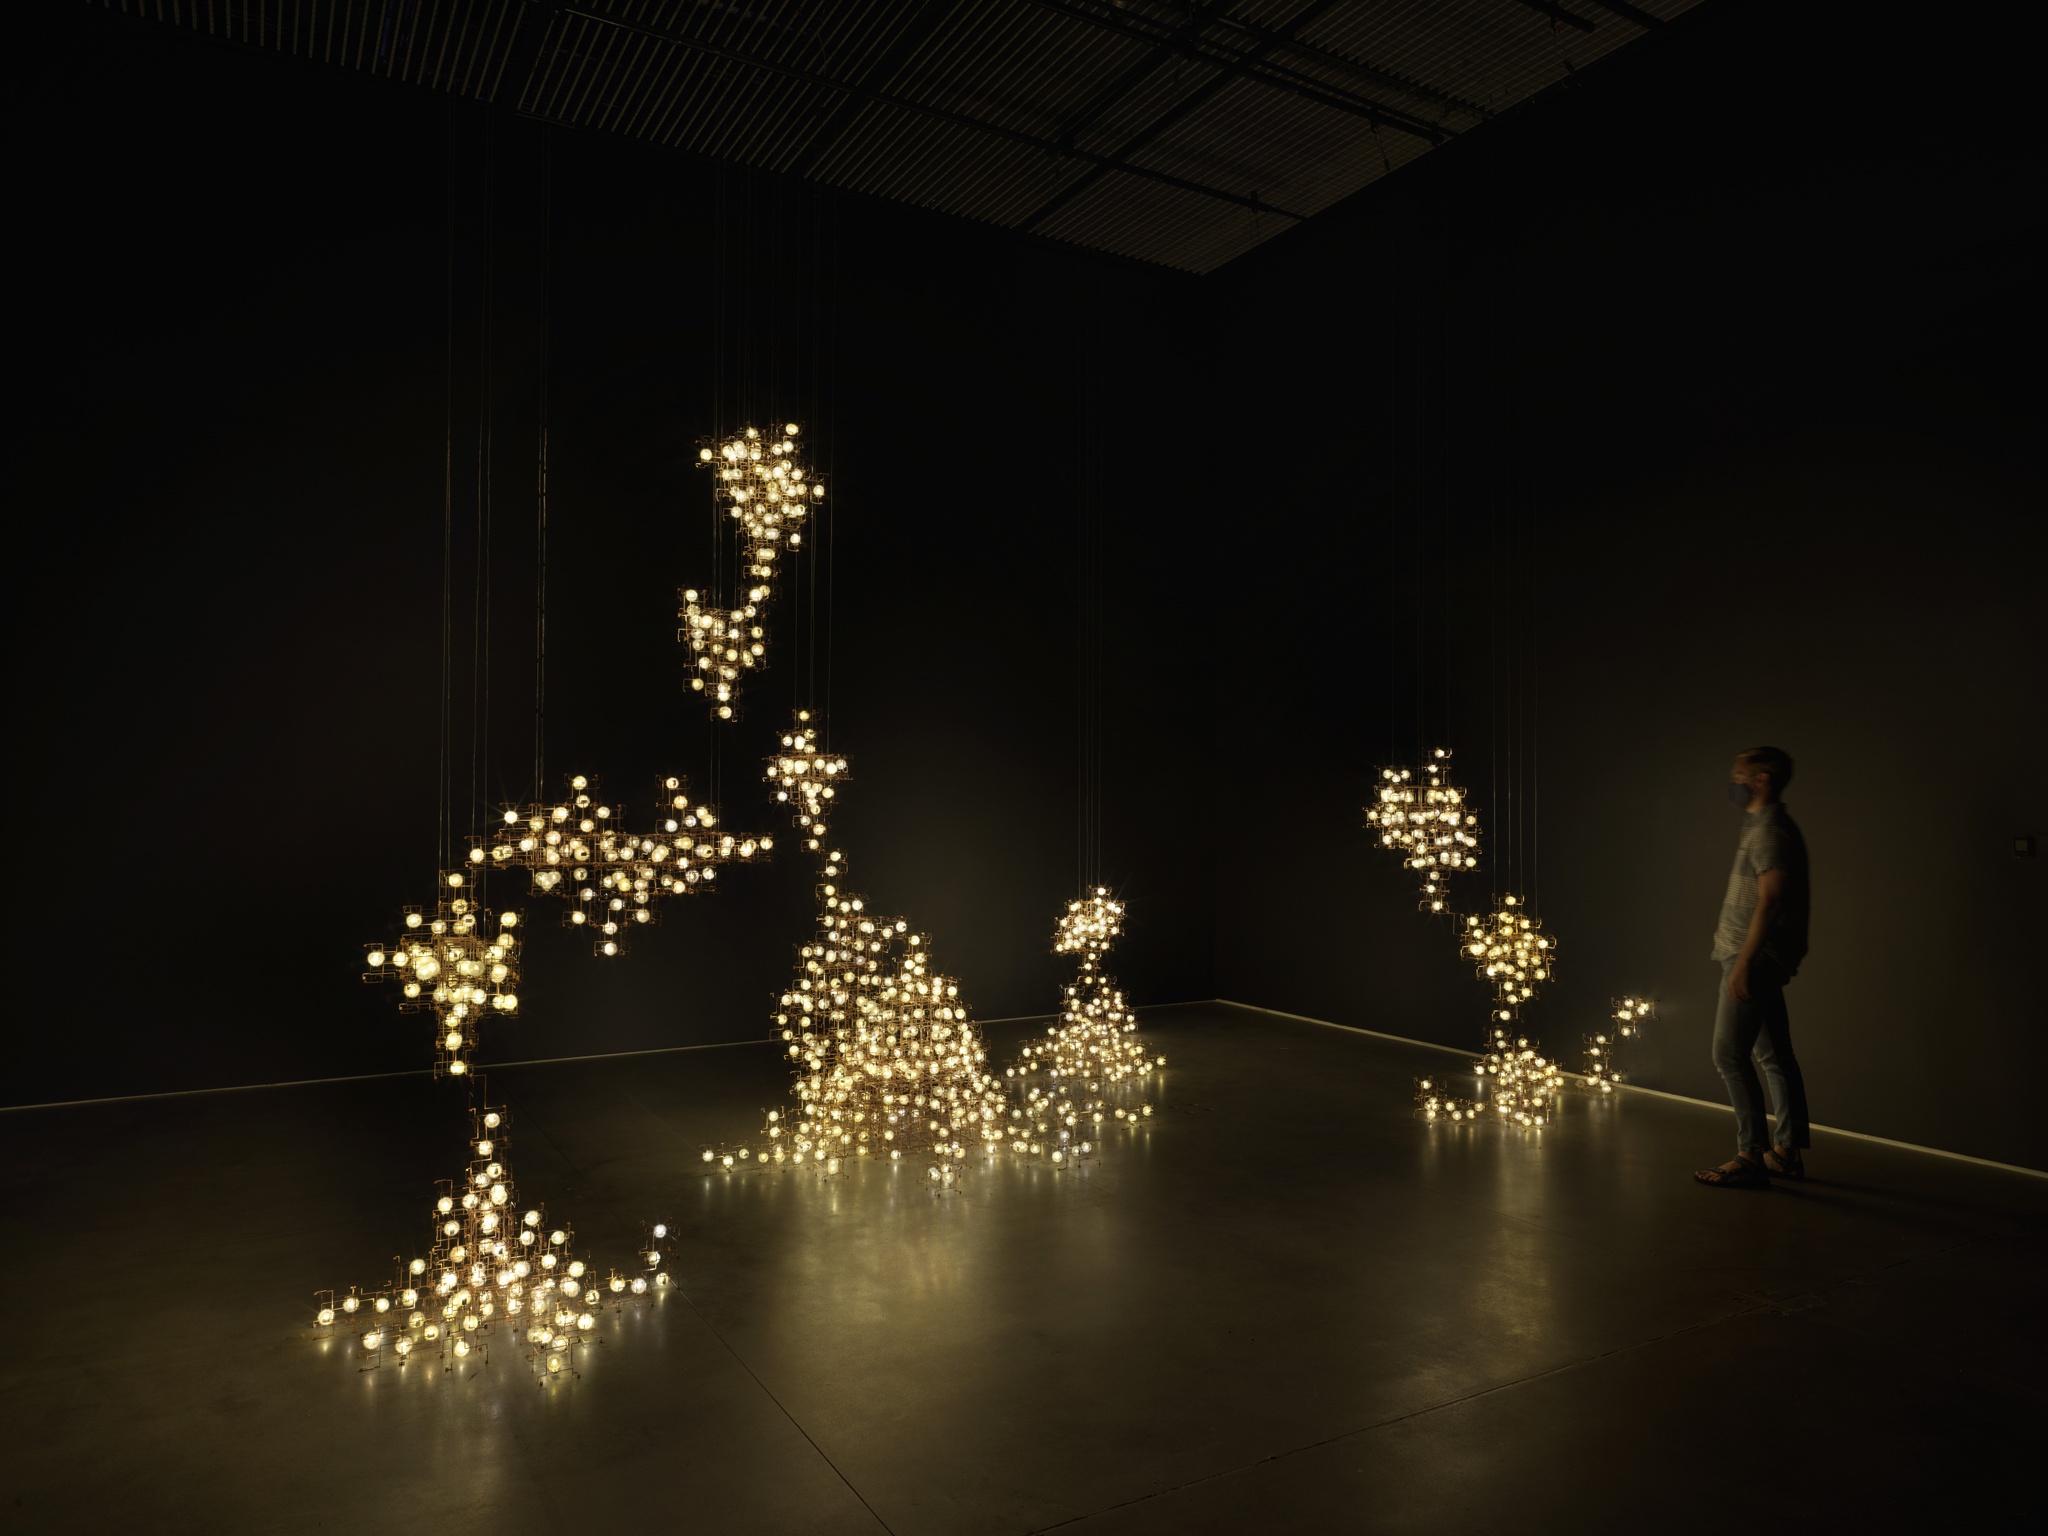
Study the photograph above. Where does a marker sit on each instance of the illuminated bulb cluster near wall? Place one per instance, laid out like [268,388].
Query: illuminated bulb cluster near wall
[1509,950]
[456,962]
[1428,820]
[760,483]
[1511,953]
[613,879]
[888,1061]
[1091,1050]
[1624,1022]
[493,1269]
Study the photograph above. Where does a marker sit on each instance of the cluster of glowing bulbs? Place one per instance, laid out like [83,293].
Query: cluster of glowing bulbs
[1429,821]
[1515,1082]
[612,879]
[1429,824]
[805,778]
[1625,1022]
[1091,1048]
[888,1061]
[769,494]
[1509,950]
[490,1265]
[456,963]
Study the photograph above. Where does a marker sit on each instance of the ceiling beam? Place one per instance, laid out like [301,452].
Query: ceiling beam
[1384,78]
[1159,125]
[1247,64]
[1627,12]
[938,114]
[1116,90]
[522,59]
[1557,13]
[916,32]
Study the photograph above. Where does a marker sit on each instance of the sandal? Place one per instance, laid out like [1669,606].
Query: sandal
[1785,1162]
[1736,1173]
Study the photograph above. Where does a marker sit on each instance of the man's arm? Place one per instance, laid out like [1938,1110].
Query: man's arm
[1770,892]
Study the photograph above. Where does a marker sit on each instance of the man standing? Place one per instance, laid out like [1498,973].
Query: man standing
[1759,943]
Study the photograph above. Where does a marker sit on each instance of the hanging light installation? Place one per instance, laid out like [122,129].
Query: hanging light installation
[1428,820]
[1429,824]
[579,851]
[1625,1022]
[766,490]
[889,1063]
[491,1269]
[805,777]
[1092,1048]
[455,962]
[1092,1043]
[491,1264]
[1509,950]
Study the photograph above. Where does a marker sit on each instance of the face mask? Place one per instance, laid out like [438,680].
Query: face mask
[1738,796]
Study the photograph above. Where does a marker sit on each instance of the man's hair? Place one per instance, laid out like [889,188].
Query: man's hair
[1775,761]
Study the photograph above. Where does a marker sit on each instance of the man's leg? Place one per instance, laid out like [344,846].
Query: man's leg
[1735,1037]
[1774,1058]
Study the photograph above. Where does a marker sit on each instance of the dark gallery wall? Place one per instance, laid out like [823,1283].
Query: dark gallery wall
[226,594]
[1683,410]
[1693,409]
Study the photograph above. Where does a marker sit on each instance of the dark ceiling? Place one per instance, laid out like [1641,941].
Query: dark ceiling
[1177,133]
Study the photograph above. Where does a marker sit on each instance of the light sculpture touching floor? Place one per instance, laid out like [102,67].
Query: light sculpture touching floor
[491,1268]
[889,1062]
[763,486]
[1428,820]
[1092,1048]
[458,964]
[1626,1022]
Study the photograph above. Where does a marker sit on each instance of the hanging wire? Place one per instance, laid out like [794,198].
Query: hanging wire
[1419,572]
[1492,589]
[830,424]
[480,610]
[1090,586]
[1535,752]
[540,482]
[444,781]
[815,247]
[723,364]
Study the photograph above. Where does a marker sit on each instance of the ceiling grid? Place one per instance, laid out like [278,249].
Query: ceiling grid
[1177,132]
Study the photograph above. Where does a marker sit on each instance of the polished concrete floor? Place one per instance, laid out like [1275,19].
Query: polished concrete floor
[1285,1306]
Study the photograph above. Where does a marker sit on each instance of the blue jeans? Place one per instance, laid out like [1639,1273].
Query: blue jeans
[1758,1035]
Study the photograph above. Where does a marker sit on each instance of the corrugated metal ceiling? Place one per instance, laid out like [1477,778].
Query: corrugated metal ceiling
[1176,133]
